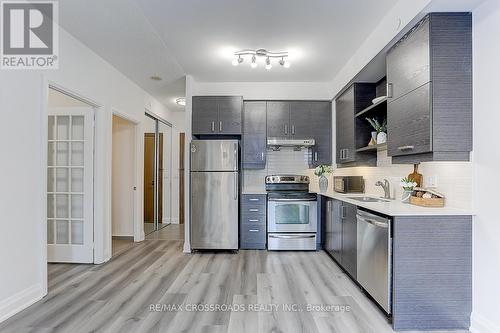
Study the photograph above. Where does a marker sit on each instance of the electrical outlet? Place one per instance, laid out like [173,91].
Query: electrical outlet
[431,181]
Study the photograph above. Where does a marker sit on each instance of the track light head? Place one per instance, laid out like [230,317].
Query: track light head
[268,64]
[253,64]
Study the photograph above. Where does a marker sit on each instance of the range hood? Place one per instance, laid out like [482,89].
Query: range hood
[276,143]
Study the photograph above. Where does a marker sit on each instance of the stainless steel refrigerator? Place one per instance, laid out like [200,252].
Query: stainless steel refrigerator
[214,194]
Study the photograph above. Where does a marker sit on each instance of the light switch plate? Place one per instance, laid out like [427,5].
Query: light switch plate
[430,181]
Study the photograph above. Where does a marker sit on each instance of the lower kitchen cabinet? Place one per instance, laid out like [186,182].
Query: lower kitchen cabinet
[341,234]
[253,226]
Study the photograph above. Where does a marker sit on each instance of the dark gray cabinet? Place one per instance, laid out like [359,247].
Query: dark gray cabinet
[333,229]
[217,115]
[349,238]
[353,100]
[300,119]
[429,108]
[341,234]
[253,221]
[254,135]
[278,119]
[321,131]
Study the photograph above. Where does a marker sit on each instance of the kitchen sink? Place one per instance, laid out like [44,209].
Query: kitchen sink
[368,199]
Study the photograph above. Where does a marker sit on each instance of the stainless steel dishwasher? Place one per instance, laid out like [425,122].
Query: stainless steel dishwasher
[374,256]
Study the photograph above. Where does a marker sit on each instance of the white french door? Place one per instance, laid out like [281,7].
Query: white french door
[70,220]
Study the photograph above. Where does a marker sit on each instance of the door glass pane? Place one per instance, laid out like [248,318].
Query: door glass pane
[77,153]
[50,231]
[62,127]
[62,180]
[50,205]
[51,154]
[77,206]
[51,180]
[77,128]
[62,156]
[62,232]
[52,128]
[76,232]
[77,180]
[292,214]
[62,205]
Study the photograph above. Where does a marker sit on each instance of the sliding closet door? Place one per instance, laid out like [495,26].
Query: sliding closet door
[164,174]
[70,220]
[149,174]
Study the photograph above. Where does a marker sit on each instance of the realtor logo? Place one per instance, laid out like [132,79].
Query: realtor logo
[29,35]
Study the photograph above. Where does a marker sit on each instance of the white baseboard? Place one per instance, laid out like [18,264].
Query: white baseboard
[480,324]
[20,301]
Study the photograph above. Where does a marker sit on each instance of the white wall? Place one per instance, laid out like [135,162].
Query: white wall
[486,251]
[23,97]
[123,177]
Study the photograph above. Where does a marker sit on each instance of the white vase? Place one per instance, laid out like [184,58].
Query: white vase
[405,198]
[323,183]
[381,138]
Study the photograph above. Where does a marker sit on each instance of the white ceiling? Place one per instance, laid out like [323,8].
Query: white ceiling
[119,32]
[320,34]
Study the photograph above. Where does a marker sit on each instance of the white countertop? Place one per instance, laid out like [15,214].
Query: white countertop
[253,191]
[391,208]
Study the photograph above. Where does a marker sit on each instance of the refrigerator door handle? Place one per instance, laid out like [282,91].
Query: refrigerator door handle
[235,186]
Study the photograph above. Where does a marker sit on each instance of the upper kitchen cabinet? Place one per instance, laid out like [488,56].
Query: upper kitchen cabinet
[321,132]
[429,106]
[217,115]
[300,119]
[353,100]
[278,119]
[254,135]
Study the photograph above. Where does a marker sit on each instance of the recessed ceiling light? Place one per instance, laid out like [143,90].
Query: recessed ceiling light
[156,78]
[181,101]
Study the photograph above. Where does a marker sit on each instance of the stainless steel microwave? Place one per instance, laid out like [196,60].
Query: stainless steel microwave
[348,184]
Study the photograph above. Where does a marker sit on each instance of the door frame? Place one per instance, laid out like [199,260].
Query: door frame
[137,220]
[98,204]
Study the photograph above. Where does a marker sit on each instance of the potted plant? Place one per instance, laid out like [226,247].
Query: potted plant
[321,171]
[408,185]
[380,128]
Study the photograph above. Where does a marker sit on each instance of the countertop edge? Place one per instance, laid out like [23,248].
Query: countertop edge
[411,210]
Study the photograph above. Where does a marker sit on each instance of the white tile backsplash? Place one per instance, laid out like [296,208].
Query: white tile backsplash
[284,161]
[454,179]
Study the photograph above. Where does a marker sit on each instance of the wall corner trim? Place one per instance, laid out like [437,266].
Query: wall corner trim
[20,301]
[480,324]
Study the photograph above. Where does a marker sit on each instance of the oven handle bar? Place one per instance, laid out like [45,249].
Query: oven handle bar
[292,236]
[291,200]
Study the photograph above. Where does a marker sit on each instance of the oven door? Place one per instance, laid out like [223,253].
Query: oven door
[291,215]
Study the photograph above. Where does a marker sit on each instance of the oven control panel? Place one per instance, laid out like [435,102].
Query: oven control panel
[287,179]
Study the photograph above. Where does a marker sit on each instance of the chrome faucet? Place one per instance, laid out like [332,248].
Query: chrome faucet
[387,188]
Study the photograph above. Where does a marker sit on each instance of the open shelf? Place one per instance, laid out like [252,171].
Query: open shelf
[371,107]
[381,146]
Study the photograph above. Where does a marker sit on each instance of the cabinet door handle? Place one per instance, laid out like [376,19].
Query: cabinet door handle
[286,129]
[253,210]
[316,156]
[346,156]
[389,90]
[406,147]
[262,156]
[213,126]
[293,129]
[252,220]
[220,126]
[343,212]
[253,199]
[253,230]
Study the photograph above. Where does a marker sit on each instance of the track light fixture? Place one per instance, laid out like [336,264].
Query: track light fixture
[239,57]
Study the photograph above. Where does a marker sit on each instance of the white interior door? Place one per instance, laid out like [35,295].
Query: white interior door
[70,220]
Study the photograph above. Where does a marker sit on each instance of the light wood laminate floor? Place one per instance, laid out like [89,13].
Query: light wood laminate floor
[119,296]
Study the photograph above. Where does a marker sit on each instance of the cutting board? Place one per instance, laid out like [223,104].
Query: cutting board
[417,177]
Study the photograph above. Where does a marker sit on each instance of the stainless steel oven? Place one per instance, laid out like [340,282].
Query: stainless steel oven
[291,213]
